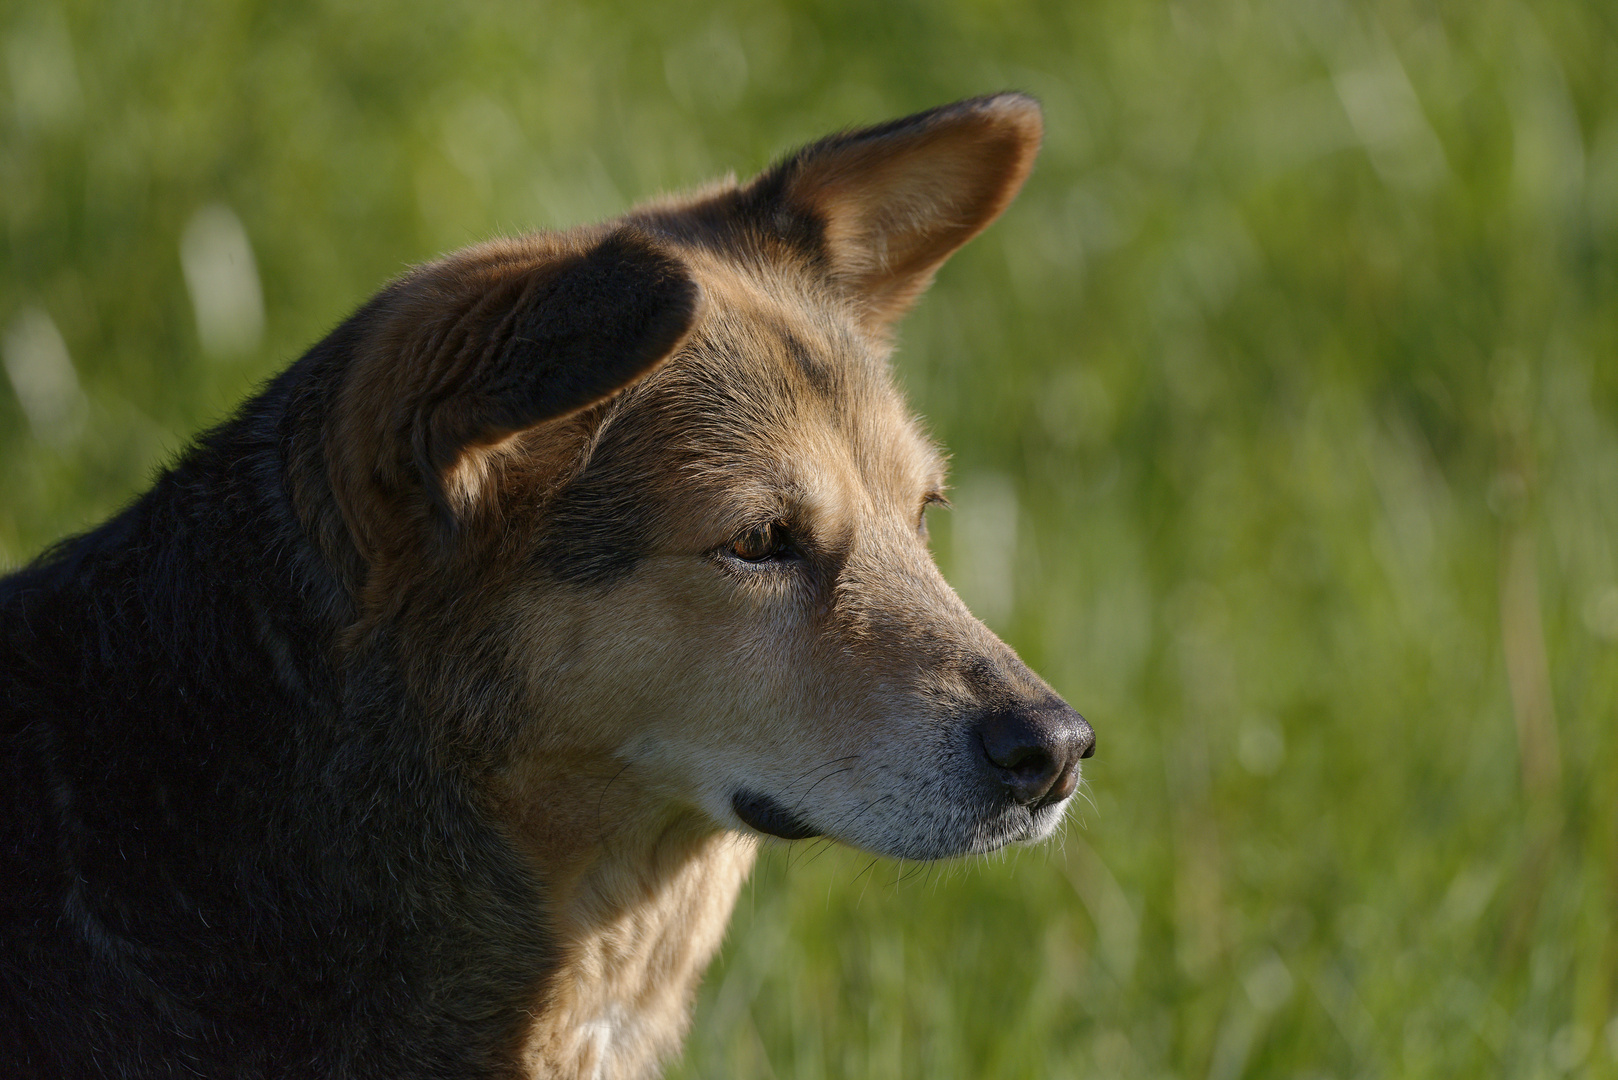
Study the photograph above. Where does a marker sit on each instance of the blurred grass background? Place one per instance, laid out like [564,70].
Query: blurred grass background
[1283,410]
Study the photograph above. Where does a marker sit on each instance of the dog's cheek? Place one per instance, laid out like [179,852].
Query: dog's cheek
[761,711]
[667,653]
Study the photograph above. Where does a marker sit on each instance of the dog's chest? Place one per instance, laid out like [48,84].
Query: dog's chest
[619,1003]
[615,1044]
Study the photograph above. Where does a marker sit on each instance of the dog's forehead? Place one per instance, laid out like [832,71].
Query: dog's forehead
[777,373]
[787,337]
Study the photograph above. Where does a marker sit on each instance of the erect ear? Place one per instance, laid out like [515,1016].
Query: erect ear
[490,343]
[892,202]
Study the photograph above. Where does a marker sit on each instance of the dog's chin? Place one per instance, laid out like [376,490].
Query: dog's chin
[979,835]
[994,830]
[769,817]
[1019,828]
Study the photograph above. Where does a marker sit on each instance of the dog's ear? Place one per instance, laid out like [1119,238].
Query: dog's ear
[464,355]
[577,333]
[889,204]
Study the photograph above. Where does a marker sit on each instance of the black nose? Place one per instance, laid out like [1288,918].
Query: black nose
[1035,751]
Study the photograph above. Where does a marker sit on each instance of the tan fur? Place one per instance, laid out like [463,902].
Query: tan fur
[896,213]
[610,727]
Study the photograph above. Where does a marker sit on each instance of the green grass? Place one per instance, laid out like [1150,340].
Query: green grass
[1284,412]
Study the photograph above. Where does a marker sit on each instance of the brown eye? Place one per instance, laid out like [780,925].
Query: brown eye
[758,544]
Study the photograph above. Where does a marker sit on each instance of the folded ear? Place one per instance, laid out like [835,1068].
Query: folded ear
[467,353]
[576,334]
[892,202]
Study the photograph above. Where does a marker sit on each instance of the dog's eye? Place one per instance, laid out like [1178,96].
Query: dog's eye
[760,543]
[933,499]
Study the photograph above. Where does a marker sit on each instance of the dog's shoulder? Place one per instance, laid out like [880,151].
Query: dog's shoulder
[206,819]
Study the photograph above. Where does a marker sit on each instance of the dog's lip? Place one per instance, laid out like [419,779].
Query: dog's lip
[770,817]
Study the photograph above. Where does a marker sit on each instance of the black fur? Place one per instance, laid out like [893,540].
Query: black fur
[224,852]
[221,857]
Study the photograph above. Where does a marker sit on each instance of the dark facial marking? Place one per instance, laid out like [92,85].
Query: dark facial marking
[822,375]
[597,529]
[744,222]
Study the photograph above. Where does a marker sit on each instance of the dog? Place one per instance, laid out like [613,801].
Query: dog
[424,719]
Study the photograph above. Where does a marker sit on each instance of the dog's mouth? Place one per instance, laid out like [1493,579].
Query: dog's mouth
[768,816]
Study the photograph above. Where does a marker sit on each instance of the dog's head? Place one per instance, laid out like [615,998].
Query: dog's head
[647,503]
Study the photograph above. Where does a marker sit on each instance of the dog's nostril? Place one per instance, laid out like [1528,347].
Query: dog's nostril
[1022,760]
[1034,752]
[1067,782]
[1030,773]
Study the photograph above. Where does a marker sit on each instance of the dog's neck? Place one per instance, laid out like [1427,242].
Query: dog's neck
[636,910]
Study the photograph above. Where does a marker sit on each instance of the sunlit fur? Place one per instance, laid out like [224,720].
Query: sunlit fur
[538,581]
[842,685]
